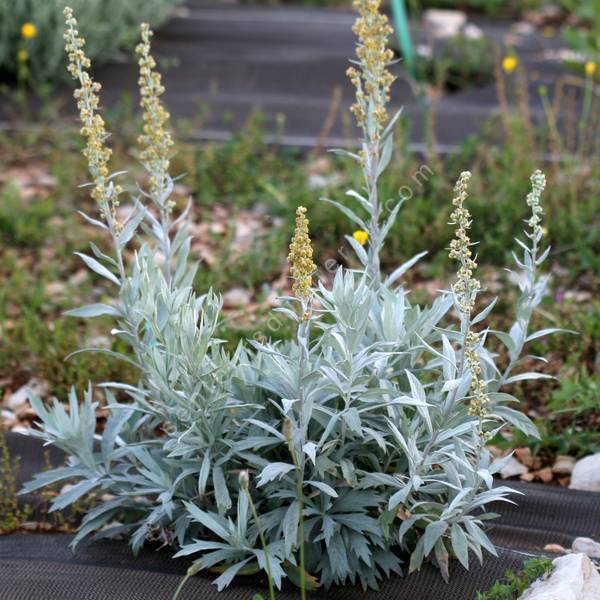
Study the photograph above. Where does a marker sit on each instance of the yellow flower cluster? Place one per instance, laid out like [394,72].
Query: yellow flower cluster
[372,80]
[93,129]
[156,141]
[478,405]
[466,287]
[538,184]
[300,257]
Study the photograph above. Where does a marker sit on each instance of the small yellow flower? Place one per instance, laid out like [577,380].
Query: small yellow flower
[28,31]
[22,55]
[361,236]
[509,64]
[590,68]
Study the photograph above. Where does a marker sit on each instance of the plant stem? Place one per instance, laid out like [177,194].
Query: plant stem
[371,168]
[300,498]
[263,542]
[303,337]
[299,492]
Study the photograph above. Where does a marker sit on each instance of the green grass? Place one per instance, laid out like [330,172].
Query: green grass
[514,584]
[11,514]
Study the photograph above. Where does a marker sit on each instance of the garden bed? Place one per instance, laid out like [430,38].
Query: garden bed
[107,569]
[357,428]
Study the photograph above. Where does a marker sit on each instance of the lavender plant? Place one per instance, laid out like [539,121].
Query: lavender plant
[330,458]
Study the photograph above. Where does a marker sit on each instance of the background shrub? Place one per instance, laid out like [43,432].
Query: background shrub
[108,26]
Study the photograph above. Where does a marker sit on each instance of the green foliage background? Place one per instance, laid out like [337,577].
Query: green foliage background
[107,26]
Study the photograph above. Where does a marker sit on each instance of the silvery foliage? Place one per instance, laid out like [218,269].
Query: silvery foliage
[365,413]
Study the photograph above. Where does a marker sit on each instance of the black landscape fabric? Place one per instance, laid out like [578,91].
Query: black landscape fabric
[41,566]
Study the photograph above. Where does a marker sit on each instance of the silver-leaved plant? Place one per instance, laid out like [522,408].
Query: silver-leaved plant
[329,459]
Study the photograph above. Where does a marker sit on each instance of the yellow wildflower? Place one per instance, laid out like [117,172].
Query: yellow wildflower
[28,31]
[155,141]
[590,68]
[361,236]
[371,79]
[22,55]
[300,257]
[509,64]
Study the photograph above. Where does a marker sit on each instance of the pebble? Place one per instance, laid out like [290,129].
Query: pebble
[473,32]
[513,468]
[555,549]
[546,475]
[237,297]
[587,546]
[586,474]
[18,399]
[444,23]
[20,429]
[563,465]
[524,456]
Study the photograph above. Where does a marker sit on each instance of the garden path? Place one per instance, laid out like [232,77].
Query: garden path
[225,61]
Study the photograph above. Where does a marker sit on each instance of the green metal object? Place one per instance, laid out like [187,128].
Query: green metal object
[402,30]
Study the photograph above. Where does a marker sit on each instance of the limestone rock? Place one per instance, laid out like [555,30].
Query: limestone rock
[237,297]
[563,465]
[586,474]
[444,23]
[473,32]
[513,468]
[587,546]
[20,398]
[574,577]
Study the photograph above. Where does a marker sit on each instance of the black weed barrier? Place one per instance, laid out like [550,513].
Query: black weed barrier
[41,566]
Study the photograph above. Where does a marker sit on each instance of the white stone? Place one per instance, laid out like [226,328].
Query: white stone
[587,546]
[523,28]
[19,398]
[20,429]
[473,32]
[237,297]
[444,23]
[586,474]
[317,182]
[574,577]
[424,50]
[513,468]
[563,465]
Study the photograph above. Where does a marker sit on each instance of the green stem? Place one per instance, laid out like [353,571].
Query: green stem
[303,340]
[180,586]
[190,573]
[263,542]
[375,242]
[587,104]
[300,498]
